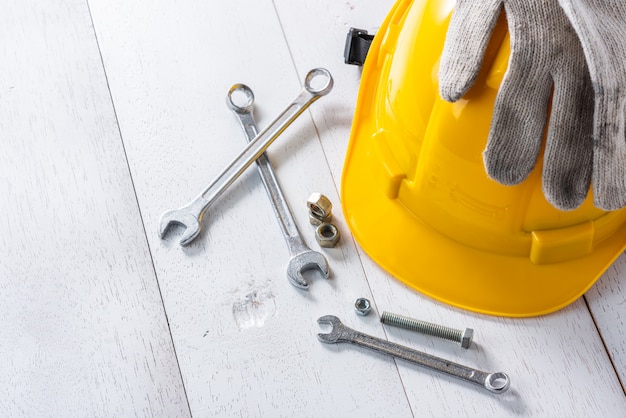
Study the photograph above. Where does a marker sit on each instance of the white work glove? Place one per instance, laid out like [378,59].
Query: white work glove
[545,53]
[601,28]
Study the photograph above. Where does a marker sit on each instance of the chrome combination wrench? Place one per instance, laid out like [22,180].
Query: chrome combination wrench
[240,100]
[497,382]
[318,82]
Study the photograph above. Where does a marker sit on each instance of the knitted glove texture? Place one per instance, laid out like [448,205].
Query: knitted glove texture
[601,28]
[546,67]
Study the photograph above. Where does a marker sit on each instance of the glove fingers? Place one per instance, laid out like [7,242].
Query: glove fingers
[517,125]
[609,152]
[568,155]
[468,34]
[600,27]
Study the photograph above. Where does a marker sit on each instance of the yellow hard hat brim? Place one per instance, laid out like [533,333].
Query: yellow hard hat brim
[453,273]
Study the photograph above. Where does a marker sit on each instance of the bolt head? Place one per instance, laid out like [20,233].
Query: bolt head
[466,338]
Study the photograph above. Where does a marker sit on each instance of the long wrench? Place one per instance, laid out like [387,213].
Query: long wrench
[317,83]
[497,382]
[240,100]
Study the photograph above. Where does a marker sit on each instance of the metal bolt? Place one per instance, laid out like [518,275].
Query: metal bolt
[462,337]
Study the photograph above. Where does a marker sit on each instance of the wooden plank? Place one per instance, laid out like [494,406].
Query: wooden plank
[548,358]
[84,331]
[607,302]
[245,337]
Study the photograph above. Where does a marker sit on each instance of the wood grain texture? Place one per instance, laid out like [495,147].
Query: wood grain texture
[84,330]
[607,302]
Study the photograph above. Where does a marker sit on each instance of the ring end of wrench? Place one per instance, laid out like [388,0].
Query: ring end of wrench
[318,82]
[240,99]
[497,382]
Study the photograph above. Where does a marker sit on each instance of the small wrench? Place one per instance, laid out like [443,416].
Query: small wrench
[317,83]
[497,382]
[302,257]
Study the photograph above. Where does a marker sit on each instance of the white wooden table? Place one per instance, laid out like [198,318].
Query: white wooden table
[112,112]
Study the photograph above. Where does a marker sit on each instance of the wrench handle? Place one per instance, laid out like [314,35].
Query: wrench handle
[279,203]
[493,382]
[309,94]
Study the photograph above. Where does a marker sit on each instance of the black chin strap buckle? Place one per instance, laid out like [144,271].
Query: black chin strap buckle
[357,45]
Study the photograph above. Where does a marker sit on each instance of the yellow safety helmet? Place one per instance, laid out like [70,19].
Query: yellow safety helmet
[417,199]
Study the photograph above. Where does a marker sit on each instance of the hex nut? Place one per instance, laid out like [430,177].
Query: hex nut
[315,220]
[327,235]
[319,205]
[362,306]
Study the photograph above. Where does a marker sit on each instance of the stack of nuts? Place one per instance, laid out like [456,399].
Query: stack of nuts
[320,214]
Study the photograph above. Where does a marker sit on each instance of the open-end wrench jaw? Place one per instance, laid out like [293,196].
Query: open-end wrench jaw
[334,336]
[307,260]
[183,218]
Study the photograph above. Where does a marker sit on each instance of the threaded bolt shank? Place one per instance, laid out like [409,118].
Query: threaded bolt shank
[462,337]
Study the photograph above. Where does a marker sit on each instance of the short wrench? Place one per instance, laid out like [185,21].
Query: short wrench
[318,82]
[240,100]
[497,382]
